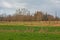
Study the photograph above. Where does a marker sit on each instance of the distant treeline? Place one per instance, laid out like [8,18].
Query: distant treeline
[25,15]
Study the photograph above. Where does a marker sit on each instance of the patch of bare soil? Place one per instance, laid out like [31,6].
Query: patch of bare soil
[56,25]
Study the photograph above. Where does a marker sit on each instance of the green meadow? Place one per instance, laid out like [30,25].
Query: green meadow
[21,32]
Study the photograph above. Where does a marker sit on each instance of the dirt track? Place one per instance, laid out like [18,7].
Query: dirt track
[44,31]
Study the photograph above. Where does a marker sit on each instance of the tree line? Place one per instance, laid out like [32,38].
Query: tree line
[25,15]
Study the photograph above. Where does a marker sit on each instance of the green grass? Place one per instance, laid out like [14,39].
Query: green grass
[35,28]
[35,35]
[28,36]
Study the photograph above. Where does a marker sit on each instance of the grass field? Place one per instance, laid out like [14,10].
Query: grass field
[21,32]
[28,36]
[33,23]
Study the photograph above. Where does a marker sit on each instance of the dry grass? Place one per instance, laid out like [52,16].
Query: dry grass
[33,23]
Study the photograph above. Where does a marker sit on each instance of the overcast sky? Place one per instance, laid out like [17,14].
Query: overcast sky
[50,6]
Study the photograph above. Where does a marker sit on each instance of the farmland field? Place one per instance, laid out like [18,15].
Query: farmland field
[32,23]
[21,32]
[28,36]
